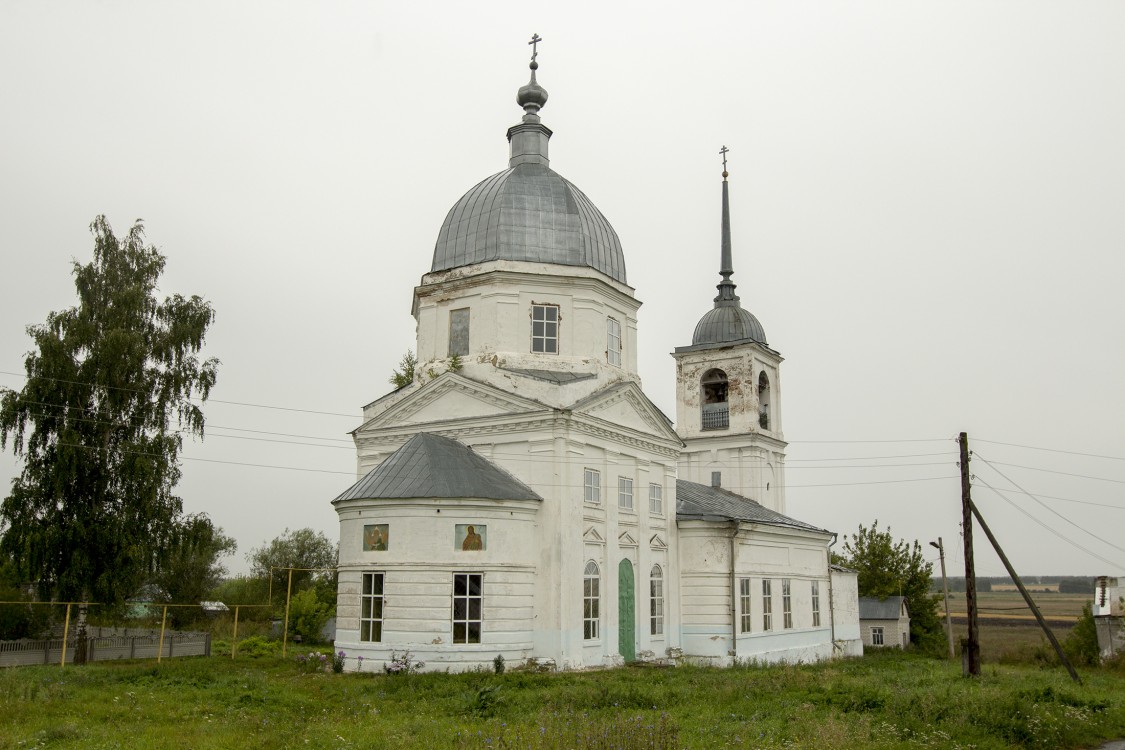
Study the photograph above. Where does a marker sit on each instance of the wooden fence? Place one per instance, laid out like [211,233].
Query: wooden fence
[133,643]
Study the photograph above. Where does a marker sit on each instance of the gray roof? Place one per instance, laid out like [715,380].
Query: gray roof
[434,466]
[702,503]
[871,608]
[728,324]
[528,213]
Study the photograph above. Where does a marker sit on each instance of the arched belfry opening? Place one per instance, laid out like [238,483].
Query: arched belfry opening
[715,412]
[763,401]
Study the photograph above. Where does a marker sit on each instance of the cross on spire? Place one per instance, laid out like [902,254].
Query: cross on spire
[535,39]
[723,151]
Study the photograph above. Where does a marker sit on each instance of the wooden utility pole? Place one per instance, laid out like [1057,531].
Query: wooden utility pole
[945,590]
[1026,596]
[970,654]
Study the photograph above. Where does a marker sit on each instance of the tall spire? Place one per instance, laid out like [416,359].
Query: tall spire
[529,138]
[727,297]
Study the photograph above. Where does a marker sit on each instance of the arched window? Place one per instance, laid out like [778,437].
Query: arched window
[763,401]
[591,601]
[713,400]
[656,601]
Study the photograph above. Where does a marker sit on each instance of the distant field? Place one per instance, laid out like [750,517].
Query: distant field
[1008,630]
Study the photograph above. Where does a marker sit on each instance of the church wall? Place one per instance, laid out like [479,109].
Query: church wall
[418,568]
[499,305]
[845,613]
[711,594]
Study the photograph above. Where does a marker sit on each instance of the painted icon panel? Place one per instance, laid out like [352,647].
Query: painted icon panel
[470,537]
[376,537]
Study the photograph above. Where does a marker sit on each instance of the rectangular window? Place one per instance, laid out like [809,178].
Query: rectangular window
[786,603]
[459,332]
[545,329]
[467,607]
[744,605]
[371,608]
[624,493]
[655,498]
[876,636]
[767,605]
[592,486]
[816,604]
[613,342]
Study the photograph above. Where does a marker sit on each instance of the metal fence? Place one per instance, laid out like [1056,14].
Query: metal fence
[133,643]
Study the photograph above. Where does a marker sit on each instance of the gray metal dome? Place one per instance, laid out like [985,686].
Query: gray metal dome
[728,324]
[528,212]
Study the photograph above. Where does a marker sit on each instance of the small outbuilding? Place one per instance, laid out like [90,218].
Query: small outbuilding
[884,623]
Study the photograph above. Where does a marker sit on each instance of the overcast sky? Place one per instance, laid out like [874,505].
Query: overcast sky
[926,205]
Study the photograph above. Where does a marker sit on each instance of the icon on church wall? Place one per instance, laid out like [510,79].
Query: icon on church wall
[375,537]
[470,537]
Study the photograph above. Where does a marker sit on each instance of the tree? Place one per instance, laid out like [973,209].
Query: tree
[191,567]
[310,553]
[100,424]
[404,375]
[889,568]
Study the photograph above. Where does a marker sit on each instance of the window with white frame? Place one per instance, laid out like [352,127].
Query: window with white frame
[656,498]
[656,601]
[591,601]
[545,328]
[613,342]
[744,605]
[468,605]
[816,604]
[371,608]
[786,603]
[625,493]
[877,636]
[767,605]
[592,486]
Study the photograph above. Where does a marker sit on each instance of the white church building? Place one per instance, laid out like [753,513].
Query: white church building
[523,497]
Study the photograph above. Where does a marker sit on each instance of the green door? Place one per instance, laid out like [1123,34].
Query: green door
[626,612]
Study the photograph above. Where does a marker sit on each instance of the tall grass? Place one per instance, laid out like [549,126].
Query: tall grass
[886,700]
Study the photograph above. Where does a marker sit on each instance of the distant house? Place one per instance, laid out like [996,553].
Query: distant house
[884,622]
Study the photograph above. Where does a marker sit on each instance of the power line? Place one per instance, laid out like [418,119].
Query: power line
[1052,471]
[208,400]
[1033,497]
[1050,529]
[1050,450]
[1070,500]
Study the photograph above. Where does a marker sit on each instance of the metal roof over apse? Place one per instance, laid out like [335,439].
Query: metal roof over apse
[435,466]
[728,324]
[528,213]
[702,503]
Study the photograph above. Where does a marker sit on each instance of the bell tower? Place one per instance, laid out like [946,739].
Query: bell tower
[728,394]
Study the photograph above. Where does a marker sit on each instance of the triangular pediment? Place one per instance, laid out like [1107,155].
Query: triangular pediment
[593,536]
[625,405]
[450,397]
[657,543]
[626,539]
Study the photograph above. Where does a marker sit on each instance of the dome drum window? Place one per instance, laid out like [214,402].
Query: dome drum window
[545,329]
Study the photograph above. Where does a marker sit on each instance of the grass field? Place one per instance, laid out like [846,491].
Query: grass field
[889,700]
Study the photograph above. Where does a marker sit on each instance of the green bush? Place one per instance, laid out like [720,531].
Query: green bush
[307,615]
[1081,645]
[256,647]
